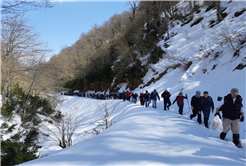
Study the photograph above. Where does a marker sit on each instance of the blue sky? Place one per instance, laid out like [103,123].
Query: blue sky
[64,23]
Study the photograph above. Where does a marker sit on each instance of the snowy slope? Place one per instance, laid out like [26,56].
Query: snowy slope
[145,136]
[207,72]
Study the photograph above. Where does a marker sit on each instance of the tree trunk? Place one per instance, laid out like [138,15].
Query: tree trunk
[219,13]
[194,4]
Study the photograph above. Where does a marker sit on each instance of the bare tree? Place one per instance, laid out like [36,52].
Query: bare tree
[106,114]
[134,7]
[19,6]
[192,4]
[219,12]
[20,50]
[61,131]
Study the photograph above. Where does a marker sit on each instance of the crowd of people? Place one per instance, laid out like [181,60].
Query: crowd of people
[231,106]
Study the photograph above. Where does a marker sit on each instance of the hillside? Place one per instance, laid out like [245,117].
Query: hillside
[194,41]
[164,45]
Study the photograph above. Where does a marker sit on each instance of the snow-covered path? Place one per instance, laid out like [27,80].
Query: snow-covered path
[145,136]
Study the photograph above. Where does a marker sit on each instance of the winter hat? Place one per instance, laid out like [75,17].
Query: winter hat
[235,91]
[180,93]
[197,93]
[205,92]
[146,91]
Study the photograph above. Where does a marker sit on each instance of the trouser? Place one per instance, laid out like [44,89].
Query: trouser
[181,107]
[154,103]
[235,128]
[142,101]
[147,102]
[195,112]
[206,114]
[124,98]
[134,100]
[165,104]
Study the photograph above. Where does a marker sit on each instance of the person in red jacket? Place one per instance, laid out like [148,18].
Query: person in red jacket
[129,95]
[180,102]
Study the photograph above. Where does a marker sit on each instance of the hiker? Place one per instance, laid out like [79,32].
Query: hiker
[233,113]
[206,105]
[124,95]
[154,95]
[166,98]
[128,96]
[118,95]
[141,97]
[147,99]
[134,97]
[180,102]
[196,107]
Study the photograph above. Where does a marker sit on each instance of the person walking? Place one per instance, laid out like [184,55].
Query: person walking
[147,99]
[124,95]
[128,95]
[180,102]
[233,112]
[134,97]
[206,105]
[141,97]
[196,107]
[166,98]
[154,95]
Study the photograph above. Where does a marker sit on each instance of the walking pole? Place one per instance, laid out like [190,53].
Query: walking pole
[188,105]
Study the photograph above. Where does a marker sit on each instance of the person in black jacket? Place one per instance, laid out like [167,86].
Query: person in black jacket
[166,98]
[147,98]
[141,97]
[196,107]
[232,110]
[206,105]
[134,97]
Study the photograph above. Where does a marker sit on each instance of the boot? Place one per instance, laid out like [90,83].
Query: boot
[236,139]
[222,135]
[206,122]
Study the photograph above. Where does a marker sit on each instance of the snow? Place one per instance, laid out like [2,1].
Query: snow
[147,136]
[144,136]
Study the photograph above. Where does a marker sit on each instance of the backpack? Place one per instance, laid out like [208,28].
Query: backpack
[225,100]
[180,100]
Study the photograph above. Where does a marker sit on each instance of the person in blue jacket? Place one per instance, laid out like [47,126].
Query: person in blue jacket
[154,95]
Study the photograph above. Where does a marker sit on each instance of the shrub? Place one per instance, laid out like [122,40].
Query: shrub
[240,67]
[7,109]
[240,13]
[196,22]
[187,65]
[156,54]
[211,5]
[187,21]
[14,152]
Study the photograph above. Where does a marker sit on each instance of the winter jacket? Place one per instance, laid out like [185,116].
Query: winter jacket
[166,96]
[232,110]
[146,96]
[196,103]
[134,95]
[207,104]
[154,96]
[129,94]
[141,96]
[180,100]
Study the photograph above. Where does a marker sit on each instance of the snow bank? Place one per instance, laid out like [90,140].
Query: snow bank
[144,136]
